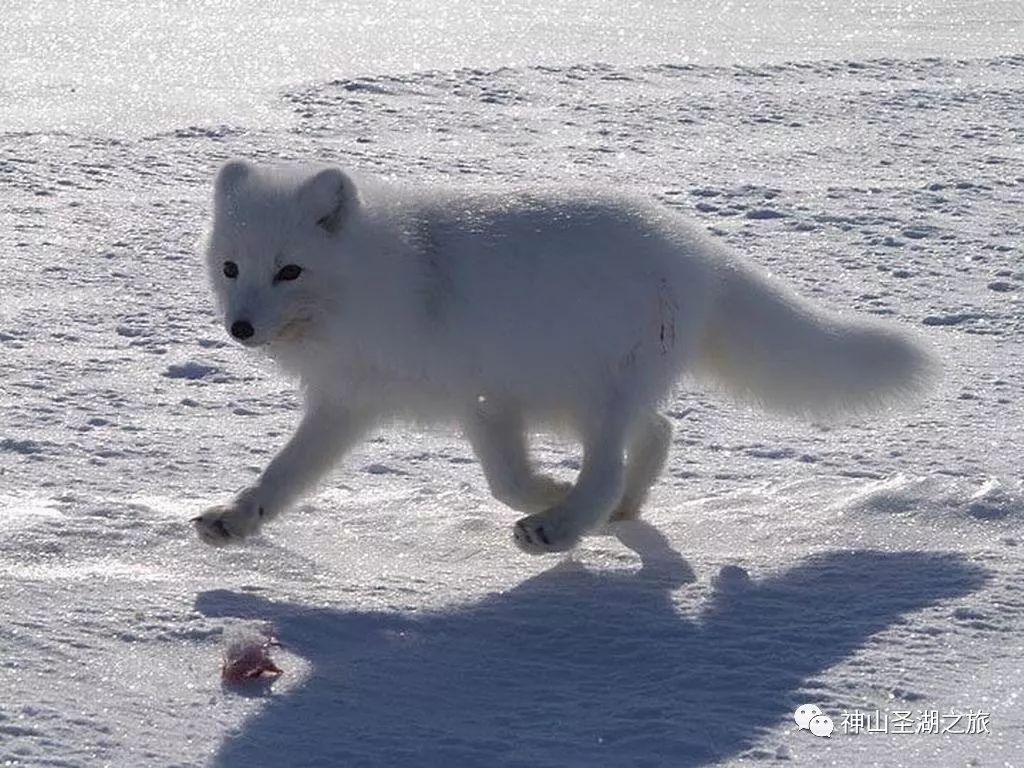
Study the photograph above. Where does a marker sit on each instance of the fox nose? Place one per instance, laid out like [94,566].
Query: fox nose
[242,329]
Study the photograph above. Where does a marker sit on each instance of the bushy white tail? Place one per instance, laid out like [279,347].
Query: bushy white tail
[764,343]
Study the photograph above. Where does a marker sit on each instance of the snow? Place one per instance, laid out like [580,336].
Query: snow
[874,564]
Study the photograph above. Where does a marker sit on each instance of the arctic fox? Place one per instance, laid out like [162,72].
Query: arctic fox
[506,311]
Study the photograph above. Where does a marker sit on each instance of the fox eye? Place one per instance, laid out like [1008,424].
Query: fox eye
[288,272]
[230,269]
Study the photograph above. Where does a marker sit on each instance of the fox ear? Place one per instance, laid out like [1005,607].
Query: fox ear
[329,196]
[230,175]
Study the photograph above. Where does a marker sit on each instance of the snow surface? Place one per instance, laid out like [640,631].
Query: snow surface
[876,564]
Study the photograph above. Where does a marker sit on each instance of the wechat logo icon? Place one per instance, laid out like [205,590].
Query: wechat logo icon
[810,718]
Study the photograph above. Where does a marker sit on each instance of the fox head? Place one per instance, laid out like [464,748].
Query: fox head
[269,248]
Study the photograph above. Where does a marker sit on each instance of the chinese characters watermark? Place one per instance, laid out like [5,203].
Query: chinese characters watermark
[809,717]
[924,721]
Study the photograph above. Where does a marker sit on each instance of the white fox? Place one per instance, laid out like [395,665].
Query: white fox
[506,311]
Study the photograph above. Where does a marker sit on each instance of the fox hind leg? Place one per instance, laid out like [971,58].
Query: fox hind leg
[646,457]
[597,491]
[499,442]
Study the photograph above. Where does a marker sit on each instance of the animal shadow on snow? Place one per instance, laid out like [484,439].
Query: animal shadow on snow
[577,667]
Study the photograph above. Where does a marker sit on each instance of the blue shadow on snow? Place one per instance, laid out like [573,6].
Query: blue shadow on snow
[576,667]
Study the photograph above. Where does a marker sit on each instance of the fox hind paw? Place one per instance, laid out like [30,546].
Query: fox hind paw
[544,533]
[228,523]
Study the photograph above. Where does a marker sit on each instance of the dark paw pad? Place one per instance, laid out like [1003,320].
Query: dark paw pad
[522,533]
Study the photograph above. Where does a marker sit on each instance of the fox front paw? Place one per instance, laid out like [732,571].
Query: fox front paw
[230,523]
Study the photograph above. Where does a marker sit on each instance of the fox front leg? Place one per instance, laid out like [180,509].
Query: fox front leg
[325,433]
